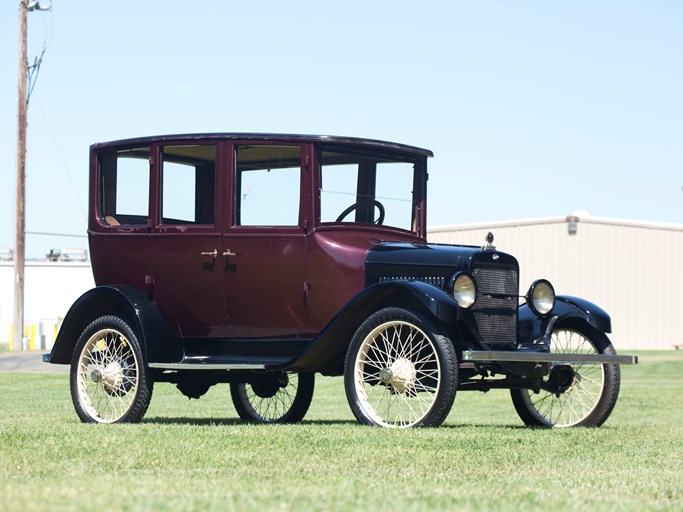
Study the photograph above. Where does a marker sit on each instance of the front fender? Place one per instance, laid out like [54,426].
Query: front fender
[567,308]
[331,344]
[158,341]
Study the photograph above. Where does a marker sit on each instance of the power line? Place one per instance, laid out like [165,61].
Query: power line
[65,168]
[44,233]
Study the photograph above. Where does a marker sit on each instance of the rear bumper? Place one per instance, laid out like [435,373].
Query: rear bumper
[545,357]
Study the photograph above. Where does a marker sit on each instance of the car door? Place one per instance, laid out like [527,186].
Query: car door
[264,248]
[185,255]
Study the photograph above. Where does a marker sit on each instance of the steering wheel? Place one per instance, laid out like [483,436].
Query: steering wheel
[354,206]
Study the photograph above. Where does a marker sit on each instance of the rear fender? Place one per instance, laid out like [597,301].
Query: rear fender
[326,351]
[156,337]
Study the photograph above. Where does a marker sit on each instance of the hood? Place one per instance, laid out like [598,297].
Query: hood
[432,263]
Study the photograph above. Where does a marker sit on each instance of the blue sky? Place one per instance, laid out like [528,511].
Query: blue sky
[532,108]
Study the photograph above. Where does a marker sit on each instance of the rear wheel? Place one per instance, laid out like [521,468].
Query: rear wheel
[576,395]
[400,371]
[109,380]
[285,398]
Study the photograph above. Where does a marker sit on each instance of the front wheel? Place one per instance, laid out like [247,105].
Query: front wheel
[577,395]
[284,398]
[109,379]
[400,371]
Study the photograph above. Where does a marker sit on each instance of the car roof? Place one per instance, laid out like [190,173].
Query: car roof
[269,137]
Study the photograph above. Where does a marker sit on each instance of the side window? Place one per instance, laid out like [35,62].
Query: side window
[124,187]
[188,184]
[268,185]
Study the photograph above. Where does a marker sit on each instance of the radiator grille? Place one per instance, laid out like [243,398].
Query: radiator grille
[495,310]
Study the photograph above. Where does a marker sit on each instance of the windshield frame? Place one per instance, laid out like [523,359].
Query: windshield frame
[368,161]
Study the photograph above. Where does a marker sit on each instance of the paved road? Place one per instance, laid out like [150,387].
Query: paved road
[28,362]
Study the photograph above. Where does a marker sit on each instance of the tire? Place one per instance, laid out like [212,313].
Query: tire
[109,378]
[400,371]
[591,395]
[285,399]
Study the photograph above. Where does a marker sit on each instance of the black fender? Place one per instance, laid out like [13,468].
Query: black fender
[567,309]
[326,351]
[158,341]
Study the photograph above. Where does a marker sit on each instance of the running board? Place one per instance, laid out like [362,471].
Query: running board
[206,366]
[545,357]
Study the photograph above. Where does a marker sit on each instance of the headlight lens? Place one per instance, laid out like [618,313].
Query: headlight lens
[541,297]
[464,290]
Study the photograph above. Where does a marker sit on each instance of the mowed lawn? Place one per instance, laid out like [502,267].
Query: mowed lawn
[196,454]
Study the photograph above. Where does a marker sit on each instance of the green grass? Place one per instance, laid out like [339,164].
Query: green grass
[196,455]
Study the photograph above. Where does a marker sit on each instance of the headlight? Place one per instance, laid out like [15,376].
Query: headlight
[541,297]
[464,290]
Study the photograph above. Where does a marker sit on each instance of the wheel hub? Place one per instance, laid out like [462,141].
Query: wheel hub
[96,376]
[562,378]
[269,388]
[401,375]
[111,375]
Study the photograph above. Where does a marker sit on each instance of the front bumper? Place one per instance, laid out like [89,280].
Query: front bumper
[545,357]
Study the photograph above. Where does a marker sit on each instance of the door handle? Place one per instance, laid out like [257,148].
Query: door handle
[213,253]
[229,253]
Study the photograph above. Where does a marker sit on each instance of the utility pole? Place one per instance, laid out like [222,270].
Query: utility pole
[20,232]
[20,235]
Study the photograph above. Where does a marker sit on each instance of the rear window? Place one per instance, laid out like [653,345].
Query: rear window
[124,187]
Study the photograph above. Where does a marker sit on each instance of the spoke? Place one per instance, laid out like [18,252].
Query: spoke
[428,358]
[426,374]
[590,380]
[585,395]
[382,356]
[369,377]
[414,347]
[400,341]
[421,388]
[545,405]
[387,343]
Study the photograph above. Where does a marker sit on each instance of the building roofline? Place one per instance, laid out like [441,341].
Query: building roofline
[46,263]
[582,218]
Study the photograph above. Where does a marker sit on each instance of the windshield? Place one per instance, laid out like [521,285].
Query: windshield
[367,189]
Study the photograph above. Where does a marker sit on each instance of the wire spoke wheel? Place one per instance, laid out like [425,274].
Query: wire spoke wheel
[398,375]
[581,394]
[106,374]
[282,399]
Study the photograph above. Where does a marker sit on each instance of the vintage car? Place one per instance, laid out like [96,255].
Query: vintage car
[259,260]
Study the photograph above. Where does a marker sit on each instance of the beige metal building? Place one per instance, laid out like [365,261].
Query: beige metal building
[50,288]
[631,269]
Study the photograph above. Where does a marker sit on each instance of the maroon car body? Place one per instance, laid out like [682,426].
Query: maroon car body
[259,260]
